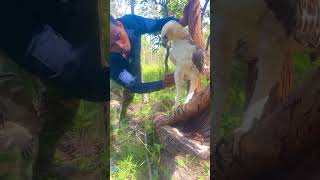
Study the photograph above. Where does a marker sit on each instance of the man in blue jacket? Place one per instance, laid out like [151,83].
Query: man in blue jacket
[125,48]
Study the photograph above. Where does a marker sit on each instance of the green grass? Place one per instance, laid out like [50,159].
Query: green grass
[128,149]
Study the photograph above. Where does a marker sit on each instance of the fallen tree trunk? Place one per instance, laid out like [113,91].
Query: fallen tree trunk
[281,145]
[187,130]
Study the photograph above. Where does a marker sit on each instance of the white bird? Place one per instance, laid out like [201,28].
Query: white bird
[191,61]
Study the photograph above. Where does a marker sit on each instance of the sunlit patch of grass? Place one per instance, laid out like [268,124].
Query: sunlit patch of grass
[127,150]
[126,169]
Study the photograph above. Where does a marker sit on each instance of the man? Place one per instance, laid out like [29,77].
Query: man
[49,59]
[125,48]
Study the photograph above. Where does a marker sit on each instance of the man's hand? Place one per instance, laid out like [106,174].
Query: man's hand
[168,80]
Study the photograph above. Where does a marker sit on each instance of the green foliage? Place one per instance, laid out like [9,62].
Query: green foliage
[303,67]
[177,6]
[127,169]
[128,154]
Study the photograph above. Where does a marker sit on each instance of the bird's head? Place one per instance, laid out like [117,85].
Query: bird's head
[171,31]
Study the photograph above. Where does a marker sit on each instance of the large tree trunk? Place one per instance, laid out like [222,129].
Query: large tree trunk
[282,145]
[192,17]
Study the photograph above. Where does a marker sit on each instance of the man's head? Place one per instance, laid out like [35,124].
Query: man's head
[119,40]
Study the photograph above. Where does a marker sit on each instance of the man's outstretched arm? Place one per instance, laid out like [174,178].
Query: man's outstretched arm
[145,25]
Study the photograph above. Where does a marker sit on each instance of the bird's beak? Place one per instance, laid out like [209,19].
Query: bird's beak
[164,41]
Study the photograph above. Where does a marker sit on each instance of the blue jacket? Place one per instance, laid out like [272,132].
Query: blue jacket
[128,72]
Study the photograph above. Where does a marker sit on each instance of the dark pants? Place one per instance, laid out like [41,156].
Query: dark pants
[127,98]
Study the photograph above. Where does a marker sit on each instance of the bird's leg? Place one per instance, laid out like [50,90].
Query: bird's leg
[178,77]
[194,82]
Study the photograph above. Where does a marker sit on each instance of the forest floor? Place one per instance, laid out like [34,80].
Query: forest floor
[135,157]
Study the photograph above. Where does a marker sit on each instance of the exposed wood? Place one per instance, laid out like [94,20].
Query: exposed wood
[191,110]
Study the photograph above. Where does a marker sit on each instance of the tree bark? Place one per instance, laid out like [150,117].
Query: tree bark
[282,145]
[192,17]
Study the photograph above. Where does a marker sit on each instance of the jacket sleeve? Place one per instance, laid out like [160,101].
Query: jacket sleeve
[128,81]
[146,25]
[147,87]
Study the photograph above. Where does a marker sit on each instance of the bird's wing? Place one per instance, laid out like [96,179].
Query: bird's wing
[201,60]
